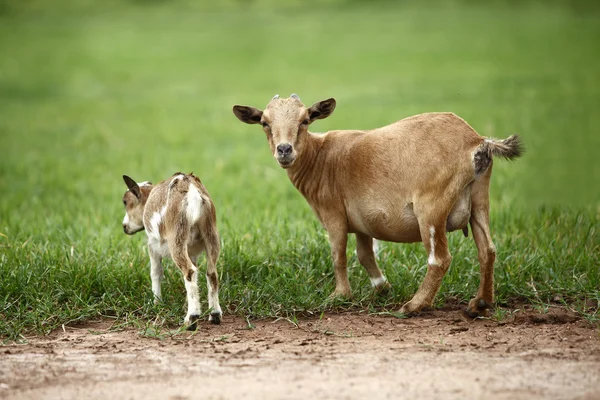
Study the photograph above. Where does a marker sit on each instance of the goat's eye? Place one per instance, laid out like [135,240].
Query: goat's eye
[305,122]
[264,124]
[124,203]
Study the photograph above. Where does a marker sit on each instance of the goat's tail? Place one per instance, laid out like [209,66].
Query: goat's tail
[509,148]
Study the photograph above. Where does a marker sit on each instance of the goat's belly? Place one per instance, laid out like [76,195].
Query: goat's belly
[402,225]
[461,212]
[391,225]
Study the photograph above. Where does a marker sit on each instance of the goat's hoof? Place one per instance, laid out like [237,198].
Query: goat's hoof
[410,309]
[384,288]
[478,308]
[192,322]
[192,327]
[343,294]
[336,299]
[215,318]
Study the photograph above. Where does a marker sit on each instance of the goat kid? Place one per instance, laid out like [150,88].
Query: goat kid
[180,221]
[411,181]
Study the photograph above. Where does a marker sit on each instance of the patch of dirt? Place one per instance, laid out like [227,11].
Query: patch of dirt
[440,354]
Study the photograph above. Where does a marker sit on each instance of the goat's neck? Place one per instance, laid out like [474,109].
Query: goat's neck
[310,169]
[145,190]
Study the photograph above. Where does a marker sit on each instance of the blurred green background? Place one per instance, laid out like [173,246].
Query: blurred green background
[93,90]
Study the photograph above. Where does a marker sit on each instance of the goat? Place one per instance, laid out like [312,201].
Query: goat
[411,181]
[180,221]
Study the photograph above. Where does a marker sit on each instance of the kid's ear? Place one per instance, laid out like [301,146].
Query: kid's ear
[133,186]
[321,109]
[247,114]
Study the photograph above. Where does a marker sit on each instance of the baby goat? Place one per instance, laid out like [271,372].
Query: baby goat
[180,220]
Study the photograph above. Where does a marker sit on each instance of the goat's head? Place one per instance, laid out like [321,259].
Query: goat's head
[285,122]
[134,201]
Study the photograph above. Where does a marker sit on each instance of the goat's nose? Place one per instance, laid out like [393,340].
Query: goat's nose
[124,228]
[284,149]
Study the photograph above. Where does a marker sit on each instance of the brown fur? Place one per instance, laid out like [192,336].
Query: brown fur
[426,173]
[177,227]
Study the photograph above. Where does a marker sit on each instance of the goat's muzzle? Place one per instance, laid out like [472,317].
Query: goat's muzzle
[285,155]
[129,232]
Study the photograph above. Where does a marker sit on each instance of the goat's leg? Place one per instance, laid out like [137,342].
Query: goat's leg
[193,299]
[433,234]
[190,279]
[156,273]
[212,281]
[480,226]
[338,239]
[366,256]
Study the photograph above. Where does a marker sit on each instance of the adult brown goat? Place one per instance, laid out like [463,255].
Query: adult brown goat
[411,181]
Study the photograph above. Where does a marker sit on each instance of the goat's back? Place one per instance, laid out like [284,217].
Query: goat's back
[427,148]
[179,206]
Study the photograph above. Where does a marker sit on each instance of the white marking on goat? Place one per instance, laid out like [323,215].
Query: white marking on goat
[158,243]
[194,204]
[432,260]
[193,297]
[156,274]
[175,179]
[156,220]
[375,282]
[126,219]
[171,184]
[145,183]
[213,298]
[375,246]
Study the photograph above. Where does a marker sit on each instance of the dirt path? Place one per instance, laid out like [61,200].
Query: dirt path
[440,354]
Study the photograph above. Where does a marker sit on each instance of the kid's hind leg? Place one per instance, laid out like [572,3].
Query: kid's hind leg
[433,234]
[212,283]
[190,279]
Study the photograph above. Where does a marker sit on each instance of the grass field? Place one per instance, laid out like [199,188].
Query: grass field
[90,92]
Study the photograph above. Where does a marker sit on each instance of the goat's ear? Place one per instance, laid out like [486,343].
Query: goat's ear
[133,186]
[249,115]
[321,109]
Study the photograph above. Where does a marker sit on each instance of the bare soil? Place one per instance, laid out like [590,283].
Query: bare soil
[439,354]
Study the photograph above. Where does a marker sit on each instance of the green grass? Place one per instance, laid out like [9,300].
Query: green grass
[90,92]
